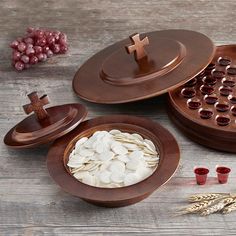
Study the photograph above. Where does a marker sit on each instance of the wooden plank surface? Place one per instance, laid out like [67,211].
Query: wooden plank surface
[30,202]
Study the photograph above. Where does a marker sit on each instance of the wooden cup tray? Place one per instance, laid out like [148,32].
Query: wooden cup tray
[205,107]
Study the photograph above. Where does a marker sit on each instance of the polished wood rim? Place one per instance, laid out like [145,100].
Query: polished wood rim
[115,197]
[206,136]
[32,132]
[101,80]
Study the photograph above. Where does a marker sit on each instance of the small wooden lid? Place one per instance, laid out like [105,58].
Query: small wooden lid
[162,61]
[44,125]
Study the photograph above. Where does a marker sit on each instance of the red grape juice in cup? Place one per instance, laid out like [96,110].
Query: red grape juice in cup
[201,175]
[222,174]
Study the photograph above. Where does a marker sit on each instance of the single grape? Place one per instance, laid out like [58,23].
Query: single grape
[29,45]
[21,47]
[25,59]
[33,60]
[45,49]
[48,34]
[41,56]
[31,35]
[55,48]
[50,40]
[39,34]
[63,36]
[16,55]
[63,39]
[30,29]
[14,44]
[29,51]
[63,48]
[49,53]
[56,35]
[19,65]
[41,42]
[28,40]
[44,57]
[38,49]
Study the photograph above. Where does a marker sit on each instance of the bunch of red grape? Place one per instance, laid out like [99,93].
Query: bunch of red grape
[37,46]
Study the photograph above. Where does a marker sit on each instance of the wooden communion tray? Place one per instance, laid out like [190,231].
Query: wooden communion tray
[163,60]
[114,197]
[205,107]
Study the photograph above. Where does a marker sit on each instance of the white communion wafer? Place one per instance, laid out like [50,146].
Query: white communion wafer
[74,164]
[150,145]
[117,166]
[105,165]
[144,172]
[113,159]
[104,177]
[89,179]
[123,158]
[114,131]
[133,164]
[106,156]
[137,137]
[77,159]
[131,146]
[117,148]
[81,174]
[86,152]
[117,177]
[80,142]
[89,143]
[136,155]
[130,179]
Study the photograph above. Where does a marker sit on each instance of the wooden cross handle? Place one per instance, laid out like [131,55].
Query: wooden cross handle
[37,105]
[137,47]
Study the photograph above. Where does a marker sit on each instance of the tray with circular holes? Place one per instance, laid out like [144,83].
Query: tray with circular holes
[205,107]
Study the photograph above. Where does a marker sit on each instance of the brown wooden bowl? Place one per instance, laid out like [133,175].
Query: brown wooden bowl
[114,197]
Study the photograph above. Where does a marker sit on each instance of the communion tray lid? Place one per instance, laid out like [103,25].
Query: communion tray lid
[162,61]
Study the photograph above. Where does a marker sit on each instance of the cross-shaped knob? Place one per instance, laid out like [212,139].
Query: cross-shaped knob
[37,105]
[137,47]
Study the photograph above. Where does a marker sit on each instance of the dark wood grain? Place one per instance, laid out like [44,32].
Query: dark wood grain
[30,202]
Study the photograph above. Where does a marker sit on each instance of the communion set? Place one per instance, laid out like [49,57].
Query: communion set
[118,160]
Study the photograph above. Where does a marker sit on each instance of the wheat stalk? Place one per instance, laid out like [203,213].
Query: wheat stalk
[197,207]
[230,208]
[217,207]
[206,197]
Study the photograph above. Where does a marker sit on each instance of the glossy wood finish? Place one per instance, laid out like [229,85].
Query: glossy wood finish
[31,203]
[173,57]
[37,105]
[137,47]
[219,131]
[116,197]
[32,132]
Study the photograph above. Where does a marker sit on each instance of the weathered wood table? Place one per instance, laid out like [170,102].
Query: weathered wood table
[30,202]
